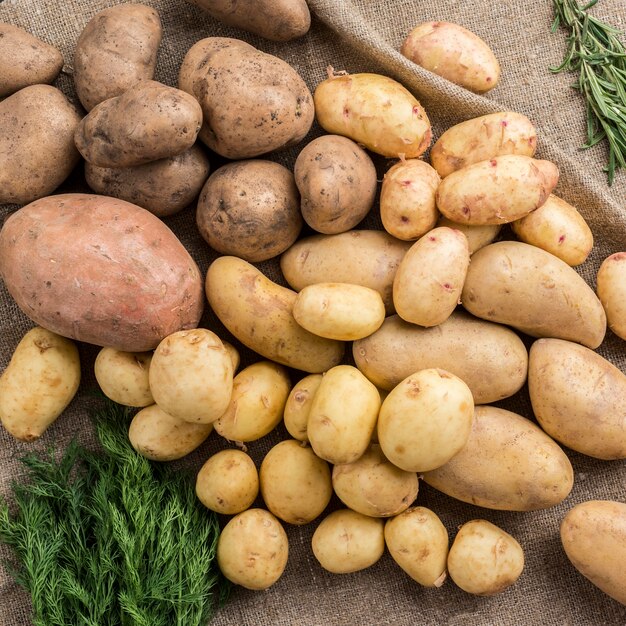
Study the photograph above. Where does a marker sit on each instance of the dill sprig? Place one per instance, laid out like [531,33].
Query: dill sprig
[596,52]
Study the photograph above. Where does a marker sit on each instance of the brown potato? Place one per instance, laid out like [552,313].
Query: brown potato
[477,236]
[612,291]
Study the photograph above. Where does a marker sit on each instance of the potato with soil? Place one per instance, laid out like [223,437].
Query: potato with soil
[477,236]
[123,376]
[298,406]
[250,209]
[611,289]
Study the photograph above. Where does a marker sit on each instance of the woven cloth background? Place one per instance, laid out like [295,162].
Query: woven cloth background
[363,35]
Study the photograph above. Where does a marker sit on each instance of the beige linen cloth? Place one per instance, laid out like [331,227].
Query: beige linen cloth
[365,35]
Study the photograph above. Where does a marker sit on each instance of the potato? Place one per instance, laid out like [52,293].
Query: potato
[369,258]
[37,151]
[259,313]
[228,482]
[233,353]
[477,236]
[578,398]
[490,358]
[40,380]
[483,138]
[611,289]
[191,376]
[252,549]
[256,406]
[125,281]
[346,542]
[484,559]
[298,406]
[25,60]
[532,290]
[116,49]
[455,53]
[253,102]
[373,486]
[508,463]
[375,111]
[418,543]
[123,376]
[343,415]
[159,436]
[407,199]
[163,187]
[339,310]
[497,191]
[250,209]
[337,183]
[593,535]
[148,122]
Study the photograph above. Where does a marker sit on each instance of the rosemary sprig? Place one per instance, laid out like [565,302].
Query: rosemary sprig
[596,52]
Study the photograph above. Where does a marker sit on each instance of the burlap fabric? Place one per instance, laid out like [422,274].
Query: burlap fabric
[364,36]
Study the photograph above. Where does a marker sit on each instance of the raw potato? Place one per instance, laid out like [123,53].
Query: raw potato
[407,199]
[418,543]
[125,281]
[250,209]
[339,310]
[159,436]
[296,414]
[267,107]
[116,49]
[37,151]
[252,549]
[612,291]
[484,560]
[347,542]
[477,236]
[532,290]
[578,397]
[259,313]
[337,183]
[233,353]
[228,482]
[455,53]
[25,60]
[593,535]
[123,376]
[498,191]
[508,463]
[375,111]
[40,380]
[191,376]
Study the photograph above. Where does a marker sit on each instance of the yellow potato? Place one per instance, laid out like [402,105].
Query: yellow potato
[298,407]
[612,291]
[233,353]
[123,376]
[477,236]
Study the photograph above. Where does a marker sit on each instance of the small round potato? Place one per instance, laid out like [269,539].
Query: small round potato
[611,290]
[123,376]
[477,236]
[484,560]
[296,414]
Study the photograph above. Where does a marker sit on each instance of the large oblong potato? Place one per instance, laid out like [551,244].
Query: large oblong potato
[123,376]
[611,289]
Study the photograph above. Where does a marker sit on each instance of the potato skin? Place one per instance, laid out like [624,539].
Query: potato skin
[116,49]
[123,376]
[110,287]
[37,151]
[611,289]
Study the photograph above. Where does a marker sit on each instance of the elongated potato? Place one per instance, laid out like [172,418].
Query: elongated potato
[611,288]
[477,236]
[298,406]
[259,313]
[123,376]
[375,111]
[508,463]
[532,290]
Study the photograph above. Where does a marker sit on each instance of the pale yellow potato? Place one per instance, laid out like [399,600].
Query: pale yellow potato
[343,415]
[418,543]
[477,236]
[347,541]
[593,535]
[425,420]
[298,406]
[508,463]
[578,397]
[123,376]
[228,482]
[530,289]
[252,549]
[611,289]
[258,312]
[295,483]
[407,199]
[39,382]
[159,436]
[339,311]
[373,486]
[233,353]
[428,284]
[191,375]
[483,138]
[257,402]
[484,560]
[497,191]
[375,111]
